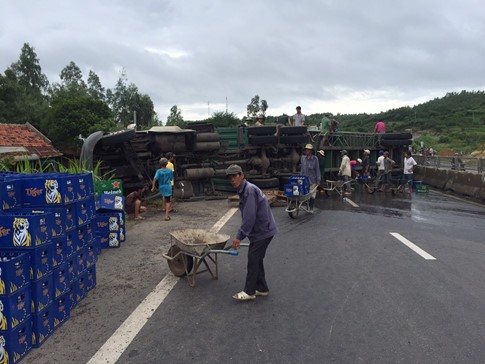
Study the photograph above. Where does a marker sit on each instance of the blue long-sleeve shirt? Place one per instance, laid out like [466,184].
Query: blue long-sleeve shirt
[257,219]
[311,167]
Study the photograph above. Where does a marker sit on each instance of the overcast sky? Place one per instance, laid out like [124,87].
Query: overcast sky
[342,56]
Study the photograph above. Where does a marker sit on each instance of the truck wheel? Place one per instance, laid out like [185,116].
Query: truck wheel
[266,182]
[261,130]
[262,139]
[207,137]
[293,130]
[293,139]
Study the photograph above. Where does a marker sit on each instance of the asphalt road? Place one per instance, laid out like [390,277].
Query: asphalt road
[342,289]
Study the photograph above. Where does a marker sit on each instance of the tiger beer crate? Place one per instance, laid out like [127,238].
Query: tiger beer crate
[70,245]
[81,238]
[85,185]
[108,221]
[41,261]
[72,293]
[14,271]
[107,202]
[91,254]
[83,213]
[81,262]
[15,309]
[48,190]
[42,325]
[71,216]
[18,342]
[82,286]
[72,268]
[10,192]
[61,279]
[61,309]
[91,278]
[108,240]
[23,230]
[42,293]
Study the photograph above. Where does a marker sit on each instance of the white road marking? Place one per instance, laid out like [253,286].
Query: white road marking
[222,221]
[352,203]
[413,247]
[114,347]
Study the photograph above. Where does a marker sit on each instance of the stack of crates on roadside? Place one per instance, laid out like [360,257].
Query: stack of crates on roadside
[297,186]
[47,230]
[110,215]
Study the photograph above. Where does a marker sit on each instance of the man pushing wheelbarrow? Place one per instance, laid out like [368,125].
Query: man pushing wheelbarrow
[259,226]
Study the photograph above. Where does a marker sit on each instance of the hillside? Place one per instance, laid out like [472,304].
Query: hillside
[455,121]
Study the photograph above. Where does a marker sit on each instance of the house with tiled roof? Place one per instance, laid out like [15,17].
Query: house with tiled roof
[24,140]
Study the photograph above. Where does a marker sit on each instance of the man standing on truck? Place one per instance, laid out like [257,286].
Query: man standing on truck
[298,118]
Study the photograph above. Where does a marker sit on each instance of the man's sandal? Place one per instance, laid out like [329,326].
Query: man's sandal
[262,294]
[243,296]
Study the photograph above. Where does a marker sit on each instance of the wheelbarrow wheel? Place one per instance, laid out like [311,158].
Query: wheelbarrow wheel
[181,264]
[370,189]
[293,206]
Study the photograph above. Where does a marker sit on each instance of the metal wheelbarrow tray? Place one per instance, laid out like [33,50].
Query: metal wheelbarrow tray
[190,248]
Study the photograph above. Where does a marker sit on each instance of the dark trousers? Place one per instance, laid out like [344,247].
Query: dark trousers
[255,279]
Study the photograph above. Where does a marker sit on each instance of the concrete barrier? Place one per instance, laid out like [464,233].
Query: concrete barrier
[464,183]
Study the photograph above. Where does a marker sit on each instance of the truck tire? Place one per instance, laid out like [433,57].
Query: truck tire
[261,130]
[262,139]
[394,136]
[206,146]
[266,182]
[207,137]
[293,139]
[386,142]
[293,130]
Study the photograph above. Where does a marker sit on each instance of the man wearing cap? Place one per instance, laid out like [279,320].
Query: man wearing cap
[366,163]
[298,118]
[345,170]
[247,121]
[311,167]
[258,225]
[259,121]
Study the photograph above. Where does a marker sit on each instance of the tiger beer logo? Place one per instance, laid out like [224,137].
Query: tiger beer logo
[2,283]
[33,192]
[3,319]
[113,224]
[52,194]
[21,235]
[3,352]
[113,240]
[118,202]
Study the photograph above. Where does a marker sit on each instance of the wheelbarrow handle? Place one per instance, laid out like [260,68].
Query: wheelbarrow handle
[230,252]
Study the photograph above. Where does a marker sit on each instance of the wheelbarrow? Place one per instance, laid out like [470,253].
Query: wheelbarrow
[296,203]
[192,248]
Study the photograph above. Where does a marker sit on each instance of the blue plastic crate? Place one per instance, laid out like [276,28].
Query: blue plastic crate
[70,245]
[42,293]
[17,342]
[10,193]
[97,245]
[71,217]
[72,293]
[90,254]
[15,309]
[72,268]
[110,202]
[42,326]
[89,234]
[41,261]
[58,250]
[303,183]
[82,213]
[81,262]
[81,238]
[91,278]
[48,189]
[61,309]
[61,279]
[108,240]
[85,185]
[22,230]
[121,234]
[14,271]
[82,286]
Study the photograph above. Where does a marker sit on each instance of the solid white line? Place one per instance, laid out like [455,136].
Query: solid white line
[114,347]
[222,221]
[352,203]
[413,247]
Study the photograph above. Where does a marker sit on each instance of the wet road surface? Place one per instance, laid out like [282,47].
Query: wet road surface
[342,289]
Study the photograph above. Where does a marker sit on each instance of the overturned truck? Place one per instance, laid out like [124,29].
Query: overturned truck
[268,154]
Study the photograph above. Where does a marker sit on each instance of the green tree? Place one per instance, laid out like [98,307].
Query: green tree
[175,118]
[224,119]
[72,77]
[257,107]
[28,72]
[95,88]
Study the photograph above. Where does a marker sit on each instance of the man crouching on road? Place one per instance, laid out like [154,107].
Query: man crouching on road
[258,226]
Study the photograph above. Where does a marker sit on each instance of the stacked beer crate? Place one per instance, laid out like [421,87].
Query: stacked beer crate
[48,255]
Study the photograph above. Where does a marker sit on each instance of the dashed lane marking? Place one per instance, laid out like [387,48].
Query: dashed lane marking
[114,347]
[413,247]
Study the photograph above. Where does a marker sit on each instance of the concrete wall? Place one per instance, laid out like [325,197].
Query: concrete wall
[464,183]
